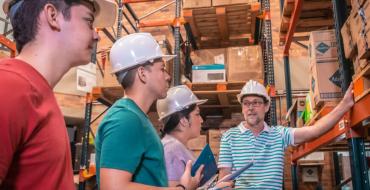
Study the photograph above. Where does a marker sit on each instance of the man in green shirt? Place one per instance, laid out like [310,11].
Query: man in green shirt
[129,153]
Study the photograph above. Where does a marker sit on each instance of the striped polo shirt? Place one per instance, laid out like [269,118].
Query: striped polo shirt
[239,147]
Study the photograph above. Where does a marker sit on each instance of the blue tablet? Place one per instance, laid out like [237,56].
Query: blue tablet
[207,159]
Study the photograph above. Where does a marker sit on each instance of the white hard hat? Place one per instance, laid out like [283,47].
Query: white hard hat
[253,88]
[178,98]
[133,50]
[105,11]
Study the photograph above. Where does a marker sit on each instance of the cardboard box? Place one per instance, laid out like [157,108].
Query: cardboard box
[244,63]
[197,143]
[359,64]
[366,9]
[231,2]
[71,81]
[208,73]
[323,46]
[189,4]
[355,4]
[209,56]
[348,43]
[363,46]
[356,25]
[325,83]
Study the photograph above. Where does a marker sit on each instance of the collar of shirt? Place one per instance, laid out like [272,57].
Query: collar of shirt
[243,129]
[131,105]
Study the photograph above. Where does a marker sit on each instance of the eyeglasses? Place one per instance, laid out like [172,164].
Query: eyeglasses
[254,104]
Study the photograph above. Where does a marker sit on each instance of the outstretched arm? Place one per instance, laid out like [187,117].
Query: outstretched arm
[323,125]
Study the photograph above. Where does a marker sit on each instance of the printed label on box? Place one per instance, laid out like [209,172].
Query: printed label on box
[335,79]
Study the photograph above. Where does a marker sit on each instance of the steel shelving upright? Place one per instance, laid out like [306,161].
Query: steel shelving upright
[268,59]
[352,125]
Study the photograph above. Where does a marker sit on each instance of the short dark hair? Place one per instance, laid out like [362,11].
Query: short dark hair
[174,119]
[129,79]
[25,21]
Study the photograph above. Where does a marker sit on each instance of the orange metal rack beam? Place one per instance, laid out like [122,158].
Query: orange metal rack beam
[155,23]
[9,44]
[359,113]
[165,22]
[293,22]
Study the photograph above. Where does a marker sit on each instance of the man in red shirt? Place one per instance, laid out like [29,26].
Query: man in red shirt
[51,37]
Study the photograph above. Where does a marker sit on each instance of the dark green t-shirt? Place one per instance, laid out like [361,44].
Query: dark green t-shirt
[126,140]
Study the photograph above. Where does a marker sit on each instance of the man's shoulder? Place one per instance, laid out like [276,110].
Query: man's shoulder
[18,73]
[15,86]
[12,74]
[122,115]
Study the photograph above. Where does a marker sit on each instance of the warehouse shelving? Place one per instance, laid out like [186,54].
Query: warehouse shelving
[306,15]
[352,127]
[253,27]
[223,95]
[224,26]
[219,14]
[268,60]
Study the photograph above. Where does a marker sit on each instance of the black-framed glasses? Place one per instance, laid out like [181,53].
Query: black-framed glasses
[254,104]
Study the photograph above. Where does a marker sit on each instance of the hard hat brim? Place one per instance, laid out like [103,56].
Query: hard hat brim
[166,58]
[106,13]
[239,96]
[198,102]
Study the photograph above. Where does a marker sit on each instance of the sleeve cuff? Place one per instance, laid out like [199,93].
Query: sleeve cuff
[292,131]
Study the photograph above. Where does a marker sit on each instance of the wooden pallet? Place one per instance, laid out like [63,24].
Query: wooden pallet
[315,15]
[221,97]
[223,26]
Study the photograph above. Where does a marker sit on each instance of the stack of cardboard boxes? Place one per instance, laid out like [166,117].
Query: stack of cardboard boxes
[228,64]
[356,35]
[325,82]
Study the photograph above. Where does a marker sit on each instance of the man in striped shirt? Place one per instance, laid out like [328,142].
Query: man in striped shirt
[254,141]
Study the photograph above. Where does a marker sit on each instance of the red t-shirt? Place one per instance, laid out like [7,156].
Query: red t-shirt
[34,143]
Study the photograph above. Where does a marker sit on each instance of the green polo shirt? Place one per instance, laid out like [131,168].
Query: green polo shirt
[126,140]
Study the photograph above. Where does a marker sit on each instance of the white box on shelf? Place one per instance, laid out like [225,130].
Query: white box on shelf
[208,73]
